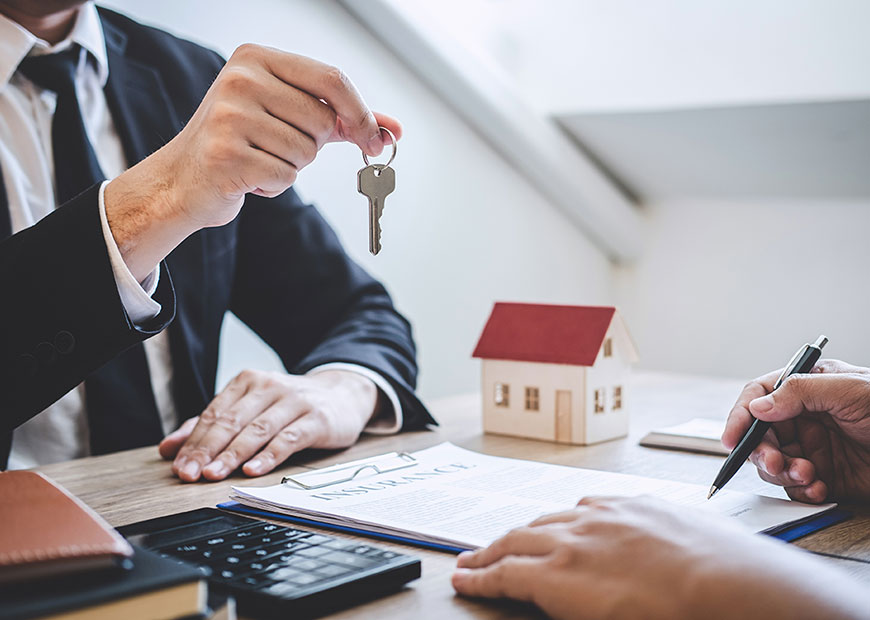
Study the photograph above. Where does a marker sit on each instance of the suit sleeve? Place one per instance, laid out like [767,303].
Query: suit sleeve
[61,316]
[297,288]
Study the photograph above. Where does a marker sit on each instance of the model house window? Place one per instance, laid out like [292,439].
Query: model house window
[617,397]
[532,399]
[608,347]
[502,395]
[599,401]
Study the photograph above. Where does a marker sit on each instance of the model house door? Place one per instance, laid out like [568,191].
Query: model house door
[563,416]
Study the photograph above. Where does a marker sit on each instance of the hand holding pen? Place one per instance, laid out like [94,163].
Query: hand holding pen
[801,362]
[819,448]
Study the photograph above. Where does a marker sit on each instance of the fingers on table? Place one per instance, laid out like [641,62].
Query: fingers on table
[557,517]
[514,577]
[273,426]
[304,432]
[524,541]
[170,444]
[218,425]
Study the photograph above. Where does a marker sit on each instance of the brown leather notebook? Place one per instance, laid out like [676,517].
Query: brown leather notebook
[46,531]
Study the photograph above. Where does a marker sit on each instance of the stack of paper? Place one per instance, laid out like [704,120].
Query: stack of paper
[449,496]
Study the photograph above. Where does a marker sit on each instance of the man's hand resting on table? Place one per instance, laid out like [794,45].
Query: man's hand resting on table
[265,117]
[262,418]
[643,558]
[819,445]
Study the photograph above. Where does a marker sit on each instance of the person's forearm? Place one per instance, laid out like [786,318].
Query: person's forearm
[784,583]
[143,218]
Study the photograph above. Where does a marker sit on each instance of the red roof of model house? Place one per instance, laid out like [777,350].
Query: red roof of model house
[545,333]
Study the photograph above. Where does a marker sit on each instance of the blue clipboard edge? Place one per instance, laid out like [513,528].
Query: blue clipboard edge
[788,534]
[814,524]
[242,509]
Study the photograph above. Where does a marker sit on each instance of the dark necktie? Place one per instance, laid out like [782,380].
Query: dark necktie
[122,413]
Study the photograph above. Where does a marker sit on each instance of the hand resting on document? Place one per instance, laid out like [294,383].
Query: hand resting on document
[262,418]
[643,558]
[819,445]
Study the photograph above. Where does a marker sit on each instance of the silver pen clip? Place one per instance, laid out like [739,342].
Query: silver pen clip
[819,344]
[789,368]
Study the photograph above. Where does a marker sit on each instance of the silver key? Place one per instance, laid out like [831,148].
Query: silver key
[376,182]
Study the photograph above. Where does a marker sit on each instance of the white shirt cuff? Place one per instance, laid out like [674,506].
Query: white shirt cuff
[135,297]
[385,422]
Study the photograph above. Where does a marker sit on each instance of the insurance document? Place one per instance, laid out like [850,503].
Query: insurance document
[450,496]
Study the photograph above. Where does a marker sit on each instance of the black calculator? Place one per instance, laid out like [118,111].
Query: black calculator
[275,571]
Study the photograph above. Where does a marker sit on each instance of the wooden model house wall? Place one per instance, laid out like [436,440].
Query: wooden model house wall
[559,373]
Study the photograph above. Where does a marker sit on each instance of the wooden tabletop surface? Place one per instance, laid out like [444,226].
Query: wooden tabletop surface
[131,486]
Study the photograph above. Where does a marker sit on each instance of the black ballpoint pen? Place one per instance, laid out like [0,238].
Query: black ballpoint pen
[802,362]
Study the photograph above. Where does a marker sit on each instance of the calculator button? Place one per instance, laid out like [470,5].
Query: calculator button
[340,544]
[284,573]
[350,559]
[317,539]
[255,581]
[305,563]
[281,588]
[313,552]
[306,579]
[333,570]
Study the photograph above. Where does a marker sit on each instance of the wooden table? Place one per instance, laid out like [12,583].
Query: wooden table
[135,485]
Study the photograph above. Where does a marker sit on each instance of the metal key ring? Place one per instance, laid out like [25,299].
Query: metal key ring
[392,157]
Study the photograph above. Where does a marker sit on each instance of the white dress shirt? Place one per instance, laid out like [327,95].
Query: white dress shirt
[60,432]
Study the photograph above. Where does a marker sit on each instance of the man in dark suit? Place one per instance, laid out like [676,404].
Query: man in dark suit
[197,219]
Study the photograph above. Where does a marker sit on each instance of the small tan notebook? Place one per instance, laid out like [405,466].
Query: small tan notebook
[697,435]
[46,531]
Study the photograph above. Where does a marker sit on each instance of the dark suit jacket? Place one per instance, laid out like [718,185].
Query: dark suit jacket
[278,266]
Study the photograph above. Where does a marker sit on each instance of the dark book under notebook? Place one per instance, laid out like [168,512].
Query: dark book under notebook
[149,587]
[275,571]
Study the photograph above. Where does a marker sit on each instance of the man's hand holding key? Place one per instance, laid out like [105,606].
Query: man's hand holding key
[265,117]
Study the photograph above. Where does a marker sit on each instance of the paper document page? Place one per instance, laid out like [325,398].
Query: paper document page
[463,498]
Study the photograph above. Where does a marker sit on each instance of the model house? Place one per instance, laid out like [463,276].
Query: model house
[559,373]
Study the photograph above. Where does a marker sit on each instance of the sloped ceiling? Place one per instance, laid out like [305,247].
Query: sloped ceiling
[794,150]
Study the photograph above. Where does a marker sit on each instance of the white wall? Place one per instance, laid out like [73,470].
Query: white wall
[720,288]
[733,288]
[577,55]
[462,228]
